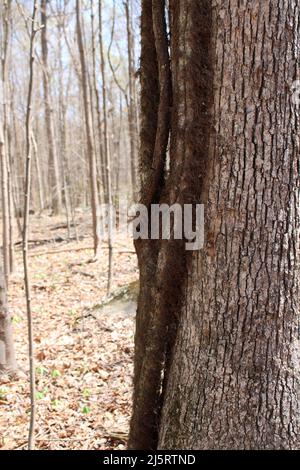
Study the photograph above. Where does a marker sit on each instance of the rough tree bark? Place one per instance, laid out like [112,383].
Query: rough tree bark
[228,375]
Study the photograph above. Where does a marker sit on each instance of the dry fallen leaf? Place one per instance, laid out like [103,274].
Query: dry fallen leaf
[83,354]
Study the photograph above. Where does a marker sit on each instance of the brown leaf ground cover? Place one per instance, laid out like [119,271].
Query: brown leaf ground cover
[84,353]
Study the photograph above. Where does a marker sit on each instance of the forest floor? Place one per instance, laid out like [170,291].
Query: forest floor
[83,351]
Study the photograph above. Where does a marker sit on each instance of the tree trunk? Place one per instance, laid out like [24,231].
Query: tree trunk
[11,209]
[62,118]
[7,352]
[27,198]
[89,135]
[4,160]
[230,380]
[55,177]
[132,115]
[98,133]
[39,179]
[106,151]
[5,203]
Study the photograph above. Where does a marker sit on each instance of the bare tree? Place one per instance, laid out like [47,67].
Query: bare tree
[4,140]
[62,111]
[89,134]
[54,111]
[132,113]
[99,133]
[106,150]
[55,177]
[27,192]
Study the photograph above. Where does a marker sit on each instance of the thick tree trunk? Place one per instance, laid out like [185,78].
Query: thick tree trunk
[232,378]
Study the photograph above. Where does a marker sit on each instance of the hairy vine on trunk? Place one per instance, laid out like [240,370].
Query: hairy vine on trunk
[155,127]
[163,263]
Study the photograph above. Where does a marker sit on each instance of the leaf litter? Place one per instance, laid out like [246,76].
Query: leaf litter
[83,342]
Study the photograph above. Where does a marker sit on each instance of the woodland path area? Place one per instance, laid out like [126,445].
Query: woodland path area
[84,352]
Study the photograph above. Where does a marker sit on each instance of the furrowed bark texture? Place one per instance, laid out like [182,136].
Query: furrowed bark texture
[234,377]
[217,346]
[163,263]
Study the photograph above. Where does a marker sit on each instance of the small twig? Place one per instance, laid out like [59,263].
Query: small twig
[66,250]
[44,241]
[92,276]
